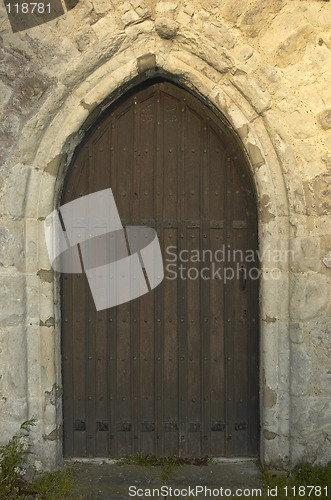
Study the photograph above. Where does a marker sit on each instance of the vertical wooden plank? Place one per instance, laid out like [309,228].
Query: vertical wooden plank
[112,313]
[253,332]
[194,221]
[124,348]
[216,314]
[216,353]
[67,373]
[205,278]
[135,173]
[74,334]
[170,416]
[182,289]
[101,180]
[80,326]
[169,152]
[146,195]
[228,316]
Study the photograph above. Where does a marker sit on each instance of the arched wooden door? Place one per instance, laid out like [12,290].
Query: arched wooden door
[174,372]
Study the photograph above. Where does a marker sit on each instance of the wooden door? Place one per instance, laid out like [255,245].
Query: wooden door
[175,371]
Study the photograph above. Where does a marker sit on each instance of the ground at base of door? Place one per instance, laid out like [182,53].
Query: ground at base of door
[101,481]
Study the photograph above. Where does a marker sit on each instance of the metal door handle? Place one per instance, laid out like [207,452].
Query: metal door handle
[244,276]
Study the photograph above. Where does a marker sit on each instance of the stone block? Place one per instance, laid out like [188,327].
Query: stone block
[291,50]
[39,296]
[253,91]
[301,125]
[325,381]
[258,17]
[255,155]
[310,295]
[233,9]
[31,245]
[34,365]
[101,6]
[277,228]
[166,7]
[287,159]
[12,299]
[83,39]
[12,244]
[266,209]
[302,372]
[269,397]
[306,254]
[12,413]
[238,110]
[311,161]
[145,62]
[28,143]
[166,28]
[5,93]
[142,9]
[318,15]
[183,19]
[324,119]
[130,17]
[61,51]
[47,192]
[216,57]
[274,296]
[244,52]
[311,416]
[33,193]
[296,333]
[322,193]
[12,202]
[327,258]
[48,377]
[220,35]
[14,363]
[319,332]
[274,255]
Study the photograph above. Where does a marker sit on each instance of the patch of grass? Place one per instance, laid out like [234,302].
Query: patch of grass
[153,460]
[139,459]
[166,463]
[304,475]
[12,457]
[53,485]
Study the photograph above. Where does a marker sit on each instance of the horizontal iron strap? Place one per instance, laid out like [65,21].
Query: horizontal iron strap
[174,224]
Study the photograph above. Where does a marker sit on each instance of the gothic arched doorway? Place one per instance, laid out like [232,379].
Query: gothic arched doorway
[174,372]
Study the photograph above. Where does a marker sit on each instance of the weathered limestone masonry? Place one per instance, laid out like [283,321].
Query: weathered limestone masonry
[266,65]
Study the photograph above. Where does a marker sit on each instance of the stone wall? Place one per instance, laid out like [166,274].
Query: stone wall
[266,66]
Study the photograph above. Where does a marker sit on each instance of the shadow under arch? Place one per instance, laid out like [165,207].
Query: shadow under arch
[146,79]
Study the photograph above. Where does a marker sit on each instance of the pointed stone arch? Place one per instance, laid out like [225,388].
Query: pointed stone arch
[63,121]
